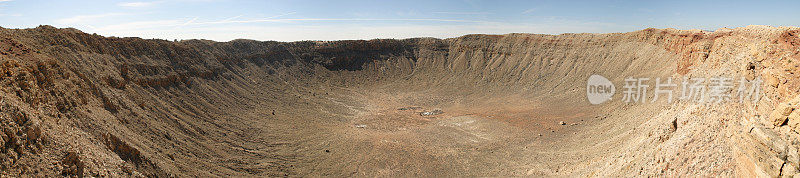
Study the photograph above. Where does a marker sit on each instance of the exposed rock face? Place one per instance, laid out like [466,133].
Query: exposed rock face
[81,104]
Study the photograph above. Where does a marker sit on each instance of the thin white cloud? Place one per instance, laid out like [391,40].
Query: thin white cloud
[138,4]
[191,29]
[646,10]
[189,22]
[159,24]
[530,10]
[5,0]
[350,31]
[290,13]
[230,20]
[337,19]
[85,18]
[155,24]
[236,17]
[464,13]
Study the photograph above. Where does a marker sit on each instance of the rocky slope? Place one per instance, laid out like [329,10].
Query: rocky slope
[86,105]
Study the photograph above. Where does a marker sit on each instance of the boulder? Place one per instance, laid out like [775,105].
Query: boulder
[792,156]
[777,118]
[795,102]
[772,80]
[794,121]
[785,109]
[431,113]
[781,113]
[788,170]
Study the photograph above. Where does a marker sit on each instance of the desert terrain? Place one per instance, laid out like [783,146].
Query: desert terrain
[78,104]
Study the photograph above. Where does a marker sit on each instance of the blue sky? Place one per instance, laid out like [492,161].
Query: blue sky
[225,20]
